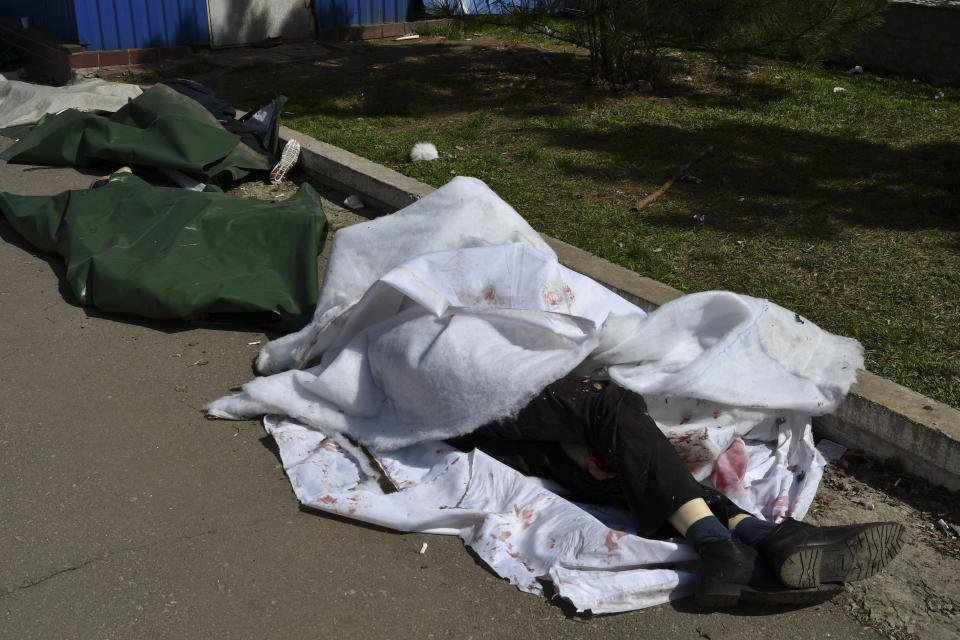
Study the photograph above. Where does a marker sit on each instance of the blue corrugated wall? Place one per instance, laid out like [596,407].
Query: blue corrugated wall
[131,24]
[117,24]
[341,13]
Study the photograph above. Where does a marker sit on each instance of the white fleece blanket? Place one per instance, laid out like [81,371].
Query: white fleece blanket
[25,103]
[454,312]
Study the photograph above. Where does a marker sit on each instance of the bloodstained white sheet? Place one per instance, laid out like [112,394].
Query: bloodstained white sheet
[453,312]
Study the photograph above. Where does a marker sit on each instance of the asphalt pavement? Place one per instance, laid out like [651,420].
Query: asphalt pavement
[124,513]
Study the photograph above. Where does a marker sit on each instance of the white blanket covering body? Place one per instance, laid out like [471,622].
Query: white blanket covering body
[453,312]
[25,103]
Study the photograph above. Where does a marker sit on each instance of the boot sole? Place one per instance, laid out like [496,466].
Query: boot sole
[860,556]
[725,596]
[288,158]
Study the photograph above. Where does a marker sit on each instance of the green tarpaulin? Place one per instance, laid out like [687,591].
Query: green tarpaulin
[160,252]
[159,128]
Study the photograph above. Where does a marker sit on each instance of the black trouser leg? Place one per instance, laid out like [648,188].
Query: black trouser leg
[653,480]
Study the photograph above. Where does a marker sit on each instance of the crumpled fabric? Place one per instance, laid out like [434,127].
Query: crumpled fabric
[523,531]
[25,103]
[453,312]
[133,248]
[160,128]
[420,360]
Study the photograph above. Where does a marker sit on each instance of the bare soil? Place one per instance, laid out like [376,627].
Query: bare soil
[918,596]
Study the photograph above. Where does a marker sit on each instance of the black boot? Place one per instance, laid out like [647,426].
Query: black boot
[731,571]
[803,555]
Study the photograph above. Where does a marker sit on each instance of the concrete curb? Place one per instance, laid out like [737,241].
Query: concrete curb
[879,417]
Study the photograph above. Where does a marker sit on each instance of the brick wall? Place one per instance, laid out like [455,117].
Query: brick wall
[56,60]
[43,52]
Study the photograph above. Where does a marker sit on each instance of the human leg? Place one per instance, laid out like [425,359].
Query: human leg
[801,555]
[613,422]
[653,481]
[762,562]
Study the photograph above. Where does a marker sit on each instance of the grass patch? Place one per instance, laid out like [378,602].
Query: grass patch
[841,206]
[447,31]
[143,77]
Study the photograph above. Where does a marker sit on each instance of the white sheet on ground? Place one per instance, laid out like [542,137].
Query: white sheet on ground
[25,103]
[452,313]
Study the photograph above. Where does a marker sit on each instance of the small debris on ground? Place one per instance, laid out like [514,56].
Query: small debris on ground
[423,152]
[915,596]
[830,450]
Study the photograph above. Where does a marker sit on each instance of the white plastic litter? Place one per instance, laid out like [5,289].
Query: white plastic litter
[838,89]
[830,450]
[423,151]
[353,202]
[454,312]
[25,103]
[423,549]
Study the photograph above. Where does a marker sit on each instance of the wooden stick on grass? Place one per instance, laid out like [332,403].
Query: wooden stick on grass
[669,183]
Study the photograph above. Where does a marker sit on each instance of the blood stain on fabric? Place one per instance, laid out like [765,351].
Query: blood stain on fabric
[553,297]
[330,445]
[699,434]
[730,467]
[612,543]
[525,515]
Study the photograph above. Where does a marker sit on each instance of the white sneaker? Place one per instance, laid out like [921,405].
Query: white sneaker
[289,157]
